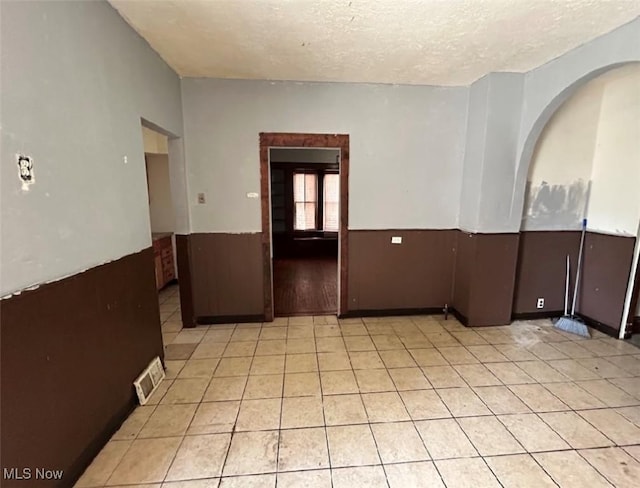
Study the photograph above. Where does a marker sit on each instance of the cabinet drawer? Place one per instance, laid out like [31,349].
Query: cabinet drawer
[168,274]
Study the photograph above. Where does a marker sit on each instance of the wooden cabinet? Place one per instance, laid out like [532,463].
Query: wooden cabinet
[163,257]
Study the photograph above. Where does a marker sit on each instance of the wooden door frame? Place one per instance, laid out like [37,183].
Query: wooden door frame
[293,140]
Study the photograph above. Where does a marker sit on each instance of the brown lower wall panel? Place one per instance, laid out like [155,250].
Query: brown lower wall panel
[473,273]
[542,269]
[492,288]
[485,271]
[226,271]
[227,274]
[416,274]
[465,249]
[606,271]
[71,350]
[183,258]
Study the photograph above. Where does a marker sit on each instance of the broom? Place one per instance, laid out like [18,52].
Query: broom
[572,323]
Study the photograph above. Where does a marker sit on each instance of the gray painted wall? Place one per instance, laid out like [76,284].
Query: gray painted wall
[474,154]
[503,126]
[492,133]
[76,79]
[406,148]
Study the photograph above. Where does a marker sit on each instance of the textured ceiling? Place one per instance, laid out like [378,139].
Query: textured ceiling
[440,42]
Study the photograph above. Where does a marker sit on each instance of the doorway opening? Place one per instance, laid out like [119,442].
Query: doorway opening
[162,227]
[305,200]
[304,183]
[161,210]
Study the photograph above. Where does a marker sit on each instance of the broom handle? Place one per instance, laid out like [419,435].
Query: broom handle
[566,288]
[575,289]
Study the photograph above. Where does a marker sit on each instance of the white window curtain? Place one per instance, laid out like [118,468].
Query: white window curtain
[331,210]
[305,198]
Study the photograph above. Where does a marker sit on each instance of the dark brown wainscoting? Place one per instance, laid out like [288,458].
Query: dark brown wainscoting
[542,270]
[484,277]
[71,350]
[607,265]
[183,255]
[413,275]
[305,286]
[474,273]
[462,272]
[226,273]
[605,274]
[278,139]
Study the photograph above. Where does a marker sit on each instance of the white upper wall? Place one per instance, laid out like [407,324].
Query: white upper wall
[593,139]
[560,171]
[614,204]
[406,148]
[76,80]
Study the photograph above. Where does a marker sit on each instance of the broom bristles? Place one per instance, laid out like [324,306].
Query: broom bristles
[572,325]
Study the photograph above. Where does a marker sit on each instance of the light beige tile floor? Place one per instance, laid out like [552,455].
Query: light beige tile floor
[391,402]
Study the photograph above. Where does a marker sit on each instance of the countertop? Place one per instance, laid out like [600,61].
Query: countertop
[160,235]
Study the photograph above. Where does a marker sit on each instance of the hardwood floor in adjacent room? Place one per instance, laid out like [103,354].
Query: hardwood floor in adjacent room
[303,286]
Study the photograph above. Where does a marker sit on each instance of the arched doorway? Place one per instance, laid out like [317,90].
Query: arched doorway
[582,159]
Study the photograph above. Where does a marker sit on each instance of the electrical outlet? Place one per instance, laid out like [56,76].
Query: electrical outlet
[540,303]
[25,170]
[396,240]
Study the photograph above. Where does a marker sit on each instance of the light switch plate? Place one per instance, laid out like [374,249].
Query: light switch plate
[396,240]
[252,195]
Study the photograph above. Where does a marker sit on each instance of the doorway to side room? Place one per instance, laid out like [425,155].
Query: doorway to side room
[162,220]
[304,186]
[305,205]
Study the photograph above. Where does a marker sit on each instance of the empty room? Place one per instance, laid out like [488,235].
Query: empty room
[332,243]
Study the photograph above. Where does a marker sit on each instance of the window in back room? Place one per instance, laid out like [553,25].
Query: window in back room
[316,201]
[331,202]
[305,198]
